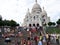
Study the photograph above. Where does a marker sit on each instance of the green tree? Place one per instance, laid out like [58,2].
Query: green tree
[17,24]
[12,23]
[58,22]
[1,23]
[50,23]
[53,23]
[6,23]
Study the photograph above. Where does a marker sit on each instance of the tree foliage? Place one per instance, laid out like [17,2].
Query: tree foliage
[51,23]
[58,22]
[11,23]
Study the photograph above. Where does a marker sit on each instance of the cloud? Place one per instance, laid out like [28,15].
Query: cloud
[16,9]
[52,8]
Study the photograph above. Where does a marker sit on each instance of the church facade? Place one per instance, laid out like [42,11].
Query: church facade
[37,16]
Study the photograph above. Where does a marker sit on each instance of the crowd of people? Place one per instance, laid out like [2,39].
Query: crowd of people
[29,37]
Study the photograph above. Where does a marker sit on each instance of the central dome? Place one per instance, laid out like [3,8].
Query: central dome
[36,7]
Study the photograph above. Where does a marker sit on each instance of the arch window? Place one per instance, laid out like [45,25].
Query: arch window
[37,24]
[34,17]
[29,25]
[33,24]
[43,19]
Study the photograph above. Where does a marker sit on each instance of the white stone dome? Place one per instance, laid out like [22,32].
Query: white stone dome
[28,13]
[44,12]
[36,7]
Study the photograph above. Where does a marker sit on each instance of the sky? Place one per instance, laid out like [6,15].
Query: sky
[17,9]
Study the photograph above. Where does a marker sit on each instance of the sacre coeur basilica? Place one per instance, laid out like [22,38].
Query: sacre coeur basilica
[37,16]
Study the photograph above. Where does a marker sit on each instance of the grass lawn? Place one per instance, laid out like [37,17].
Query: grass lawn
[53,30]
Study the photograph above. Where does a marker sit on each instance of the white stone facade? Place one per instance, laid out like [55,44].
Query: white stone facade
[38,16]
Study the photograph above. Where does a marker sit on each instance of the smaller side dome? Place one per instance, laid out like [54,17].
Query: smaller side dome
[28,13]
[44,12]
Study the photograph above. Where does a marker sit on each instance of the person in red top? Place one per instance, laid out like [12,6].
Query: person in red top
[36,39]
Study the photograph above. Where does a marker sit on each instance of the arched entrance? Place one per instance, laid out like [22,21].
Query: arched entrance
[34,25]
[37,24]
[29,25]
